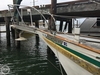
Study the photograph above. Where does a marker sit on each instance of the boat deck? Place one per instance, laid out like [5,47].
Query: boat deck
[84,38]
[93,42]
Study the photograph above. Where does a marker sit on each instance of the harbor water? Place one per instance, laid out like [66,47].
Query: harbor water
[30,59]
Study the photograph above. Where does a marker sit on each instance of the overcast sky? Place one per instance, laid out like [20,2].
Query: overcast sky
[4,3]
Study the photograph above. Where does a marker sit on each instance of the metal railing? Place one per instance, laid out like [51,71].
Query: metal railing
[30,13]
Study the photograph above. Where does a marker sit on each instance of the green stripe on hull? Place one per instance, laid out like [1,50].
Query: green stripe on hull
[96,63]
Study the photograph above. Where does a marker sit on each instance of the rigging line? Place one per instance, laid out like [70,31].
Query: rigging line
[34,9]
[12,15]
[52,15]
[37,11]
[20,15]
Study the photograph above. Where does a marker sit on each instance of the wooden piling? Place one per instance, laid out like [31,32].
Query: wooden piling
[36,35]
[7,21]
[37,23]
[53,6]
[17,32]
[13,32]
[17,36]
[53,11]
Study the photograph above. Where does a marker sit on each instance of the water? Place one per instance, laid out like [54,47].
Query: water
[29,60]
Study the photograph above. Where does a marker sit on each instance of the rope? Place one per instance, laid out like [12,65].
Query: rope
[20,15]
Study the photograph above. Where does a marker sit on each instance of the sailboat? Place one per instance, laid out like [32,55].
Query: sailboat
[75,53]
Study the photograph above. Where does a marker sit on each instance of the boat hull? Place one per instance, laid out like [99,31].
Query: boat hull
[70,67]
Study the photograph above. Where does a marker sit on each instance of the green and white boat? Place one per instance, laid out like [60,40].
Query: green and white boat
[76,54]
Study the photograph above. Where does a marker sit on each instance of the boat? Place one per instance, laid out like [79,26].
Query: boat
[76,53]
[76,58]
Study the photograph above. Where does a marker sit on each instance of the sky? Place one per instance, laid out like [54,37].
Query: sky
[4,3]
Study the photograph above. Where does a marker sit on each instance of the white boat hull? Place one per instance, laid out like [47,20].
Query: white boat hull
[70,67]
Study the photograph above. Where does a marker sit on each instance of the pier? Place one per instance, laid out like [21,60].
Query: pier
[61,11]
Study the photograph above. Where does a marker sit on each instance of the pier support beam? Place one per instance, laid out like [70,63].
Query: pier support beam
[17,36]
[65,26]
[7,21]
[53,6]
[37,23]
[13,32]
[70,26]
[61,26]
[17,32]
[53,11]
